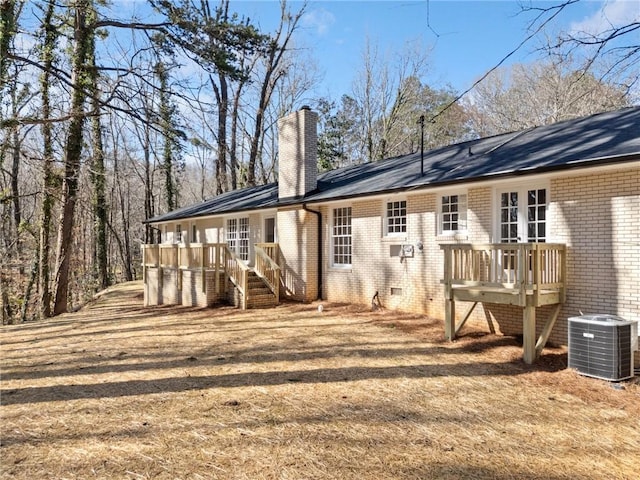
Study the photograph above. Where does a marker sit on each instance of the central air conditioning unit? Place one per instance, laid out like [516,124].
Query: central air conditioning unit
[602,346]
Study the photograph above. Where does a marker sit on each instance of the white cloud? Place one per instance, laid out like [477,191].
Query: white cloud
[320,20]
[612,13]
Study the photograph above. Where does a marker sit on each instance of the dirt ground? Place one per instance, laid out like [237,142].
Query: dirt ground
[121,391]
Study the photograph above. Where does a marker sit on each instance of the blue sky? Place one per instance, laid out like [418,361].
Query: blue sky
[467,37]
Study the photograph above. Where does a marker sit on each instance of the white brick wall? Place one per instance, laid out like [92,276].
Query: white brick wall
[298,241]
[596,215]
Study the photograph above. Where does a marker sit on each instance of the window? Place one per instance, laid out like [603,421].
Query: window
[178,233]
[396,218]
[537,215]
[243,239]
[341,237]
[522,215]
[232,234]
[453,213]
[237,234]
[269,230]
[194,233]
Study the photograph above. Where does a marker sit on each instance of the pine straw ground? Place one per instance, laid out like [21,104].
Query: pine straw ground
[121,391]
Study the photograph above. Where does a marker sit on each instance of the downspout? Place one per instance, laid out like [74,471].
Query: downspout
[319,216]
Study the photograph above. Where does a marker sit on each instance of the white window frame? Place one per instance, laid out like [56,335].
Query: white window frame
[396,205]
[522,220]
[341,235]
[178,234]
[445,213]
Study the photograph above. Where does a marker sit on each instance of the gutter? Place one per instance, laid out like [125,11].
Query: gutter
[318,214]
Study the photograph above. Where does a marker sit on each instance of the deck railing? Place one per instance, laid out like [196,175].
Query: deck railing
[219,258]
[267,266]
[525,274]
[523,266]
[194,255]
[238,273]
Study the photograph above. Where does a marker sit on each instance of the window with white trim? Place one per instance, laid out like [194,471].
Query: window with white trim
[231,233]
[453,213]
[341,239]
[178,238]
[194,234]
[243,238]
[396,218]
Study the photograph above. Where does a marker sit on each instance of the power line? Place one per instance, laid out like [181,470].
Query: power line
[558,8]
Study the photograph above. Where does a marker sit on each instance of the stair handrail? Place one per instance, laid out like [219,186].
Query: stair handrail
[267,269]
[238,273]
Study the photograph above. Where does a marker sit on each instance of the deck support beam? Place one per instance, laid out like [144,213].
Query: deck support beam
[546,331]
[465,318]
[529,334]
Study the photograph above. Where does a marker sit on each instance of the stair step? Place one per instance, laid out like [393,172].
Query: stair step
[257,301]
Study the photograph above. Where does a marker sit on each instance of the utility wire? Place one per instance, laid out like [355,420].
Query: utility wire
[504,59]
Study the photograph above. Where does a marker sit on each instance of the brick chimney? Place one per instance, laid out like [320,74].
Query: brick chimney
[298,154]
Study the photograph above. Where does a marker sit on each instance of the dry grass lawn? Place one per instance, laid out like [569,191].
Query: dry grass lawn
[121,391]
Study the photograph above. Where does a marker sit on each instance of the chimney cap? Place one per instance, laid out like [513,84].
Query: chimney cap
[305,107]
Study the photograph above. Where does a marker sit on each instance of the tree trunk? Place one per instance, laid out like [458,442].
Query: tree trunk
[148,185]
[7,32]
[73,152]
[99,200]
[222,99]
[233,151]
[169,138]
[15,190]
[48,180]
[271,77]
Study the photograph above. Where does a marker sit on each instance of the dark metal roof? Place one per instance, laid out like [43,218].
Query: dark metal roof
[594,140]
[252,198]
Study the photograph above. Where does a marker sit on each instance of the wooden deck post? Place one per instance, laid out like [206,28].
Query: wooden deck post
[529,334]
[449,302]
[450,319]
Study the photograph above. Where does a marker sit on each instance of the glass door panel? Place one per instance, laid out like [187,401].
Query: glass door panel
[509,217]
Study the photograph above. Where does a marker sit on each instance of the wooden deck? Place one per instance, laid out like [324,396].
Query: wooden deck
[528,275]
[218,258]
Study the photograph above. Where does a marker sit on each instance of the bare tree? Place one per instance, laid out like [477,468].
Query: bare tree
[524,96]
[383,91]
[271,76]
[607,46]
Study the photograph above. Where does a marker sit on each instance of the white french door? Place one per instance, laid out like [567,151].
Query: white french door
[522,215]
[237,235]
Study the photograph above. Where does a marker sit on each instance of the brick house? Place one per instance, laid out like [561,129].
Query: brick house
[523,229]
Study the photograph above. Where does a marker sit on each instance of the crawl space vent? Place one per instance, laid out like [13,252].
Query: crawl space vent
[601,346]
